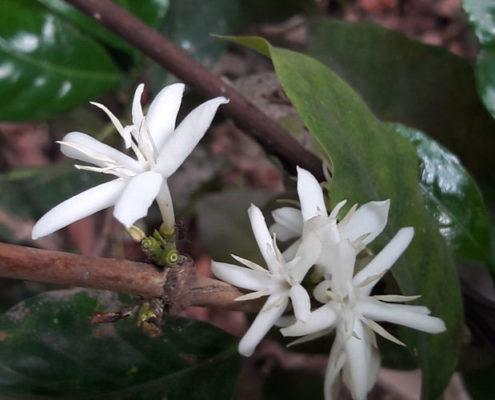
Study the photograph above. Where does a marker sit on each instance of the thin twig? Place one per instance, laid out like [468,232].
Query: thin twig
[179,285]
[272,136]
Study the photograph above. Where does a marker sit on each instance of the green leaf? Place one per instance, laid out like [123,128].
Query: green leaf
[149,11]
[46,66]
[49,348]
[452,197]
[32,192]
[372,162]
[404,81]
[224,227]
[481,15]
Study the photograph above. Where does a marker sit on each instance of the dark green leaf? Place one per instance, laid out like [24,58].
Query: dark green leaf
[452,197]
[481,15]
[149,11]
[372,162]
[405,81]
[189,24]
[49,348]
[224,227]
[46,66]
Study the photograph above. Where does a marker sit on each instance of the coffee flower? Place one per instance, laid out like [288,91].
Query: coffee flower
[281,282]
[360,226]
[159,150]
[349,308]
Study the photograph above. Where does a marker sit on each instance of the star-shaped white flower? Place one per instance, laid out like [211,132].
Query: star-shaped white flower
[360,226]
[280,282]
[159,150]
[351,310]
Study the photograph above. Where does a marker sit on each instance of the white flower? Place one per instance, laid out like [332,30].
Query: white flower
[360,226]
[159,151]
[280,282]
[352,312]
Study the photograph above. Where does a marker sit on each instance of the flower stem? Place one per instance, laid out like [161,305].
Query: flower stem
[164,200]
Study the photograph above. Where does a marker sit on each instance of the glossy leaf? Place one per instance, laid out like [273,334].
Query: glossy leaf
[149,11]
[404,81]
[481,14]
[49,348]
[372,162]
[32,192]
[46,66]
[452,197]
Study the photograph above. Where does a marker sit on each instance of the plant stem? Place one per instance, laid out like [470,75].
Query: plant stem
[179,285]
[271,136]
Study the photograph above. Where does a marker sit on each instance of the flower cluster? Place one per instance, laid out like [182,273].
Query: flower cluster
[159,149]
[323,243]
[330,245]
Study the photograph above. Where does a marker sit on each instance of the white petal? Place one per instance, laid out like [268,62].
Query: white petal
[290,252]
[94,151]
[137,109]
[370,218]
[288,223]
[241,277]
[262,236]
[336,361]
[163,113]
[356,369]
[268,315]
[78,207]
[343,260]
[301,302]
[307,253]
[137,197]
[385,258]
[187,135]
[320,319]
[417,309]
[125,133]
[285,320]
[402,315]
[310,195]
[374,362]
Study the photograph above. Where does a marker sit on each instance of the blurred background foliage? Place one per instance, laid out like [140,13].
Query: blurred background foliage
[401,104]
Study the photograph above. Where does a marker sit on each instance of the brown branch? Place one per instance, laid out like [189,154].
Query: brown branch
[272,136]
[180,285]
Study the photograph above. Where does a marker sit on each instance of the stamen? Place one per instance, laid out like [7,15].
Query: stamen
[335,212]
[381,331]
[250,264]
[253,295]
[120,129]
[396,298]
